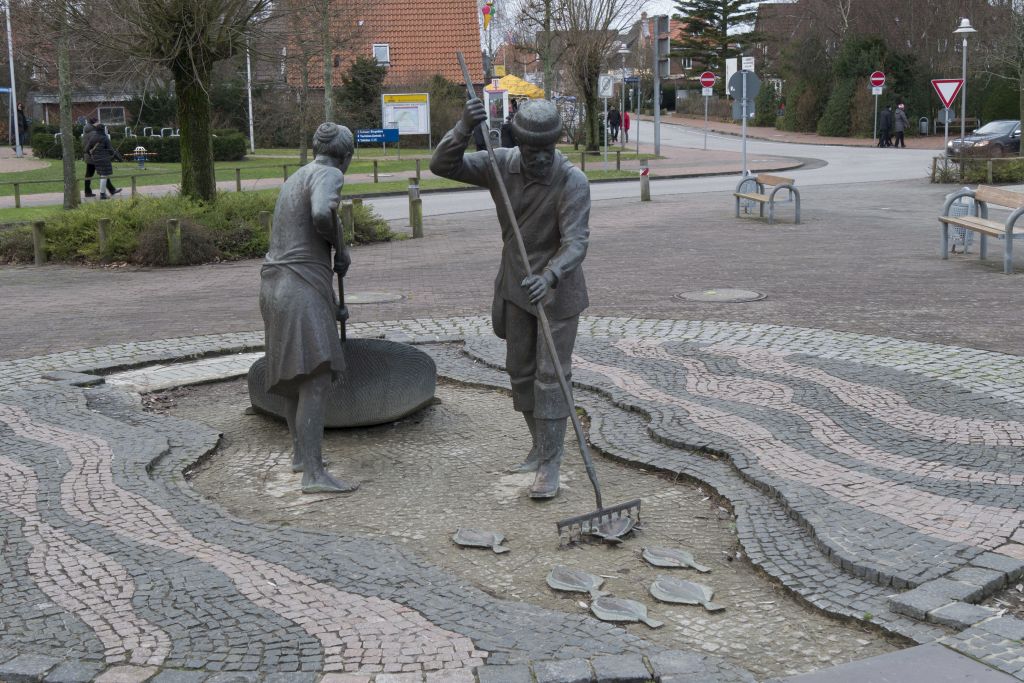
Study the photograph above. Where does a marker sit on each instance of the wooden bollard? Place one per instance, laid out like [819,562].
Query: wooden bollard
[135,188]
[17,195]
[173,242]
[645,181]
[238,180]
[417,218]
[264,218]
[39,242]
[375,171]
[414,194]
[101,234]
[348,223]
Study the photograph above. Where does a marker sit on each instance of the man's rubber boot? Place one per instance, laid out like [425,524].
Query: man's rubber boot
[533,459]
[550,443]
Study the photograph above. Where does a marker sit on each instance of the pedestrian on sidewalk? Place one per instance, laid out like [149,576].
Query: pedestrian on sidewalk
[885,127]
[21,121]
[99,155]
[89,140]
[614,122]
[900,125]
[625,127]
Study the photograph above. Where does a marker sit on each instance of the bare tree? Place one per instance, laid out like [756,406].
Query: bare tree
[1003,53]
[187,37]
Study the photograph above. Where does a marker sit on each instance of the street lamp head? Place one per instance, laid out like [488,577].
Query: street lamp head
[965,27]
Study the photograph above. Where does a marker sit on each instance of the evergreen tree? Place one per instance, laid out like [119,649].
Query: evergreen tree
[359,94]
[705,33]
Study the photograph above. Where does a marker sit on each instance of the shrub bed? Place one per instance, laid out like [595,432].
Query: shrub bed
[227,145]
[225,230]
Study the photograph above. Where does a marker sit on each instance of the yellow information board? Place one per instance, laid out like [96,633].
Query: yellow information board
[408,112]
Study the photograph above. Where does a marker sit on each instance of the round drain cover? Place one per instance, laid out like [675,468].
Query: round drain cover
[372,297]
[722,296]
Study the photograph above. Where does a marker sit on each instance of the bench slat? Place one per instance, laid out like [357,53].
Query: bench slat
[976,224]
[752,195]
[999,196]
[767,179]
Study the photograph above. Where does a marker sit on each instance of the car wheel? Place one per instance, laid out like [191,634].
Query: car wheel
[997,151]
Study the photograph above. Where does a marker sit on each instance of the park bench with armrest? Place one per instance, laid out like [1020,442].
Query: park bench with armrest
[983,197]
[763,181]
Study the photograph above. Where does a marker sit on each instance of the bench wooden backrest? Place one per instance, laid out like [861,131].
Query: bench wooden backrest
[766,179]
[999,197]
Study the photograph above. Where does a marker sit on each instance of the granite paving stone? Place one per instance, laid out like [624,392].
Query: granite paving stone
[563,671]
[620,669]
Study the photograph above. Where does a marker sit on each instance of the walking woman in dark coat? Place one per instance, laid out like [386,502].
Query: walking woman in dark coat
[100,153]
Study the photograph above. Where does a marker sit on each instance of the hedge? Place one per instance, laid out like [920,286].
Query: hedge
[227,146]
[223,230]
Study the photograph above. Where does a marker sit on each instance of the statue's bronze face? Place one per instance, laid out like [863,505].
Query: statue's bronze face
[537,160]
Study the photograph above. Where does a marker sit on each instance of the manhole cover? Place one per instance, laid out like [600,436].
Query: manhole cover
[372,298]
[722,296]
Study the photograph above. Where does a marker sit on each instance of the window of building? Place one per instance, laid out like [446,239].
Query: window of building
[687,62]
[111,115]
[382,53]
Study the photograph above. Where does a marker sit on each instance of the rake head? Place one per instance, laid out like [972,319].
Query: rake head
[573,530]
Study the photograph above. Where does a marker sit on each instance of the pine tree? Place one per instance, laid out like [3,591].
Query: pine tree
[359,96]
[704,36]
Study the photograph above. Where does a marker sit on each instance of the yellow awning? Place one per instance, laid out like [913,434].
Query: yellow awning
[517,87]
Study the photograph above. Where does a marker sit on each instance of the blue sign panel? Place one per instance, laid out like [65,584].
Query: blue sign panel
[377,135]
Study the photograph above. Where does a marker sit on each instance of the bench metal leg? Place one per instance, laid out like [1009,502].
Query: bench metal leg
[771,212]
[983,249]
[945,241]
[760,206]
[737,207]
[1008,255]
[797,198]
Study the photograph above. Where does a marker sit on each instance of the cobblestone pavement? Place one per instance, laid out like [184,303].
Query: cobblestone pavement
[824,444]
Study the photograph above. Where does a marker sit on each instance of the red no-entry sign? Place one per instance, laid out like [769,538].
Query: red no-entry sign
[877,78]
[707,79]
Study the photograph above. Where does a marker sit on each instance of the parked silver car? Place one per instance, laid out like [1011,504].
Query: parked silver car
[994,139]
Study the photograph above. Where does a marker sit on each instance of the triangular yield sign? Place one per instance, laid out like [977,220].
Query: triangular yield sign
[948,88]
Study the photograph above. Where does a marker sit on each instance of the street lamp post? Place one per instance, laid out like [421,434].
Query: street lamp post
[623,51]
[965,29]
[14,93]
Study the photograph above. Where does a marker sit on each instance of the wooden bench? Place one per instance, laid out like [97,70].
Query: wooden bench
[764,181]
[985,196]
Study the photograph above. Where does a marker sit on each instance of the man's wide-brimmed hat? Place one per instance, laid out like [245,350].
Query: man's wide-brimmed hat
[537,124]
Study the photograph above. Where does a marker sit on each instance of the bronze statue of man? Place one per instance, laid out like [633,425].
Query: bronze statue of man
[298,302]
[551,201]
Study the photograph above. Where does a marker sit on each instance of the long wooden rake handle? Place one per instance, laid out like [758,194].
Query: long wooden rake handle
[542,317]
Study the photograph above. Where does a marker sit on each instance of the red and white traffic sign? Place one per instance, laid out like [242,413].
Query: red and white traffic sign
[877,78]
[948,89]
[645,171]
[707,79]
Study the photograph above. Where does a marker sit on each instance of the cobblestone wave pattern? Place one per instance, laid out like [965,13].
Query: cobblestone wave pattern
[948,418]
[910,504]
[353,631]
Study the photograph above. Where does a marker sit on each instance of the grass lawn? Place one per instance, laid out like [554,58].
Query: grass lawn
[48,179]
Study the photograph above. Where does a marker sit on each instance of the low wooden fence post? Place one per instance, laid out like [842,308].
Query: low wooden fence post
[101,235]
[17,195]
[375,171]
[173,242]
[285,167]
[417,171]
[618,160]
[264,218]
[348,222]
[39,242]
[238,180]
[414,194]
[583,161]
[417,218]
